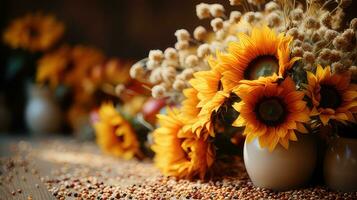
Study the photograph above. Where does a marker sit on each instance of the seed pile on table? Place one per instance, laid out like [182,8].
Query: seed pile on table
[79,171]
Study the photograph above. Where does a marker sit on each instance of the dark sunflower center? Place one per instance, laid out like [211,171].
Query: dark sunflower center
[271,111]
[120,138]
[219,86]
[33,31]
[261,66]
[330,97]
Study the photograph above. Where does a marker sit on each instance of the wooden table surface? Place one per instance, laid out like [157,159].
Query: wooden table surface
[62,168]
[28,165]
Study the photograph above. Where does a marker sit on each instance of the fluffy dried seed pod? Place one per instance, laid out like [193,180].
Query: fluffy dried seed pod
[187,74]
[182,35]
[353,24]
[273,19]
[170,63]
[156,55]
[330,34]
[203,11]
[220,34]
[137,71]
[326,19]
[216,46]
[309,57]
[319,45]
[307,46]
[347,63]
[258,16]
[297,51]
[348,34]
[297,43]
[249,17]
[297,14]
[337,67]
[191,61]
[217,24]
[315,37]
[335,55]
[119,89]
[271,6]
[337,18]
[311,23]
[293,23]
[179,85]
[340,42]
[171,54]
[235,2]
[216,10]
[158,91]
[151,64]
[301,36]
[325,54]
[203,50]
[322,31]
[168,74]
[353,70]
[235,17]
[181,45]
[155,76]
[308,67]
[293,32]
[199,33]
[256,2]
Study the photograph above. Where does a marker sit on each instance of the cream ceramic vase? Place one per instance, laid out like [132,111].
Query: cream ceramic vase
[281,169]
[340,165]
[42,113]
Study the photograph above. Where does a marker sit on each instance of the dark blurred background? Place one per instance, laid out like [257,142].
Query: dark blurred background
[121,28]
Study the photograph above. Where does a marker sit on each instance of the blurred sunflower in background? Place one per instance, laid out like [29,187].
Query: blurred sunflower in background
[33,32]
[114,135]
[51,66]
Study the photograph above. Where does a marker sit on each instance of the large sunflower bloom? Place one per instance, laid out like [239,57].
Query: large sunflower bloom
[333,96]
[272,112]
[114,134]
[33,32]
[180,153]
[260,55]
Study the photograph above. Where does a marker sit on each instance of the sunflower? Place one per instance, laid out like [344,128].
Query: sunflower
[211,95]
[51,66]
[114,134]
[33,32]
[83,59]
[333,97]
[260,55]
[272,112]
[189,109]
[180,153]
